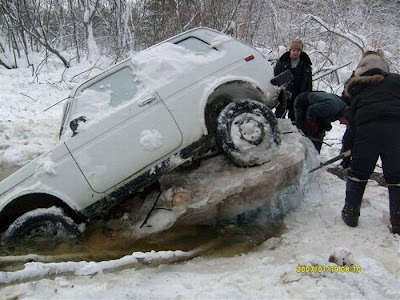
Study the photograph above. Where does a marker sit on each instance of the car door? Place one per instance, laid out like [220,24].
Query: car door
[130,129]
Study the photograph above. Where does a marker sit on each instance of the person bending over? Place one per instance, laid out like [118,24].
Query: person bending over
[314,112]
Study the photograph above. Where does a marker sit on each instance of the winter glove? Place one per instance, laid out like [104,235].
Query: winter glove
[314,128]
[346,162]
[346,159]
[347,139]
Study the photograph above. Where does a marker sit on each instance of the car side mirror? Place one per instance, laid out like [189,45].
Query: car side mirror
[75,123]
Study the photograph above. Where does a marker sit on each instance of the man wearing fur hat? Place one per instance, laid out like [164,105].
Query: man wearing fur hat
[299,64]
[374,97]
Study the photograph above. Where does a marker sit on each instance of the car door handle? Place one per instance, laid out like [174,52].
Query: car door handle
[147,101]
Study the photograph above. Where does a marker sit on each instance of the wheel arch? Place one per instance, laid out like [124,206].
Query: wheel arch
[28,202]
[225,93]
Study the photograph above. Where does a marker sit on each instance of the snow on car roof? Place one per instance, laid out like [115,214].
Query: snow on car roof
[164,63]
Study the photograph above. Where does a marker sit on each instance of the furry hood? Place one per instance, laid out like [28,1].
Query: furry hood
[370,71]
[355,83]
[369,62]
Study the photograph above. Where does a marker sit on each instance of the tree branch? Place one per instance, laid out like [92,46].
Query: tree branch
[331,71]
[350,36]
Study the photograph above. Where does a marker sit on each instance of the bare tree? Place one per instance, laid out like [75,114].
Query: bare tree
[87,11]
[333,33]
[352,37]
[33,18]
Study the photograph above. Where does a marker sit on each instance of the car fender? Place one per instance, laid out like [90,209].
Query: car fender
[37,188]
[212,87]
[54,173]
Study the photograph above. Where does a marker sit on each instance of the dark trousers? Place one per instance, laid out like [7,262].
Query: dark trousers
[280,110]
[373,140]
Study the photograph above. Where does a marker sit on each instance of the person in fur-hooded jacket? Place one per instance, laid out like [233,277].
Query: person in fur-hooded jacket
[299,64]
[374,98]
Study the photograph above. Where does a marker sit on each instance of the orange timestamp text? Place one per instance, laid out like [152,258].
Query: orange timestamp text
[329,269]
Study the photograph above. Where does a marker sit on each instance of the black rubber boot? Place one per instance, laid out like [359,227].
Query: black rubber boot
[394,207]
[350,215]
[396,229]
[354,194]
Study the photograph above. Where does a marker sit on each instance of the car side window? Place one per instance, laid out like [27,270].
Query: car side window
[95,101]
[196,45]
[121,86]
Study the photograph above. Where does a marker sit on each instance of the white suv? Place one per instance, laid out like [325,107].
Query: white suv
[122,129]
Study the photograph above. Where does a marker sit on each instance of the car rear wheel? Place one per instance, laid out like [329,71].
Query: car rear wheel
[247,133]
[42,223]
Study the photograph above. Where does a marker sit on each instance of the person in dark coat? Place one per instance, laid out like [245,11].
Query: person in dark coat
[314,112]
[374,97]
[299,64]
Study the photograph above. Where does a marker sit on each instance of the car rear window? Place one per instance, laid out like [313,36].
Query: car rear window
[196,45]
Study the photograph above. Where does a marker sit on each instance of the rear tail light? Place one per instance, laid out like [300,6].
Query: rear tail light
[249,58]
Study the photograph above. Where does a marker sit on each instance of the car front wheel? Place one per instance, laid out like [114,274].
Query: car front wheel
[247,133]
[43,223]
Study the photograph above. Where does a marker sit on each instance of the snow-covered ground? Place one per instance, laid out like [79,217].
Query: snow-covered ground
[314,232]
